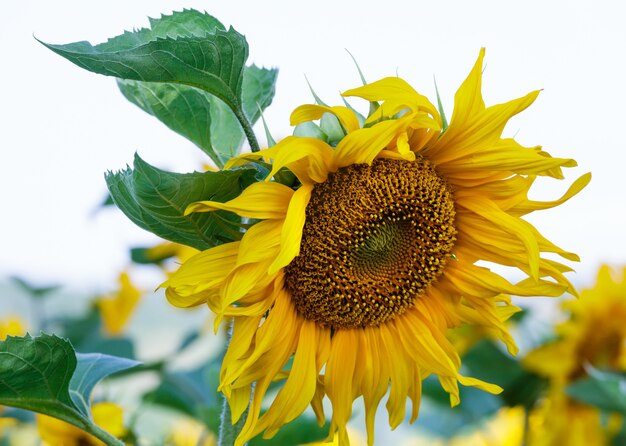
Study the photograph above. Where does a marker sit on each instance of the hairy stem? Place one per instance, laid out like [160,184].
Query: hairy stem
[228,431]
[247,129]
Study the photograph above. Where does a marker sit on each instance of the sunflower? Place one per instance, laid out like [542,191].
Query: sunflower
[594,334]
[354,274]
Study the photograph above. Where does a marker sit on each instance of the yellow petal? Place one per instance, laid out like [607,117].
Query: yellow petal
[363,145]
[577,186]
[514,226]
[311,112]
[259,241]
[338,378]
[259,200]
[468,100]
[394,354]
[291,235]
[299,389]
[308,158]
[482,385]
[397,94]
[204,271]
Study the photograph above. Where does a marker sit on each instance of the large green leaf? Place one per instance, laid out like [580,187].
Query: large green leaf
[156,200]
[42,374]
[200,117]
[259,86]
[258,91]
[184,109]
[208,57]
[91,369]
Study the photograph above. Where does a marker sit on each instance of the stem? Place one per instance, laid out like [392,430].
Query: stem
[247,129]
[103,435]
[228,431]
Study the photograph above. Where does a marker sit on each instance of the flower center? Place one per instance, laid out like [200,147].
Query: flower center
[374,238]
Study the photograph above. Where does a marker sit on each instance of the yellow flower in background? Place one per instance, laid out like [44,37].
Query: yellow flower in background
[191,433]
[54,432]
[11,326]
[506,428]
[362,269]
[169,249]
[595,332]
[117,310]
[560,420]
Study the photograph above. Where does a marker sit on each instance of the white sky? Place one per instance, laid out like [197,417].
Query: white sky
[63,127]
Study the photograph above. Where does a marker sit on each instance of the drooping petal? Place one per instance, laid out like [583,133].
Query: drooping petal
[292,228]
[363,145]
[258,242]
[259,200]
[311,112]
[204,271]
[308,158]
[338,379]
[299,389]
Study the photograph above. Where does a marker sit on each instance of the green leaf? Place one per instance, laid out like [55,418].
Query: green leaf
[207,57]
[185,23]
[605,390]
[188,392]
[258,91]
[108,201]
[156,200]
[185,110]
[91,369]
[37,374]
[200,117]
[259,86]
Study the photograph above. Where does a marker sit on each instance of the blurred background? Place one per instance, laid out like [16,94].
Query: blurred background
[62,127]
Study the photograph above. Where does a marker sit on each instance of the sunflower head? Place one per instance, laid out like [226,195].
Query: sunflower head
[356,272]
[392,234]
